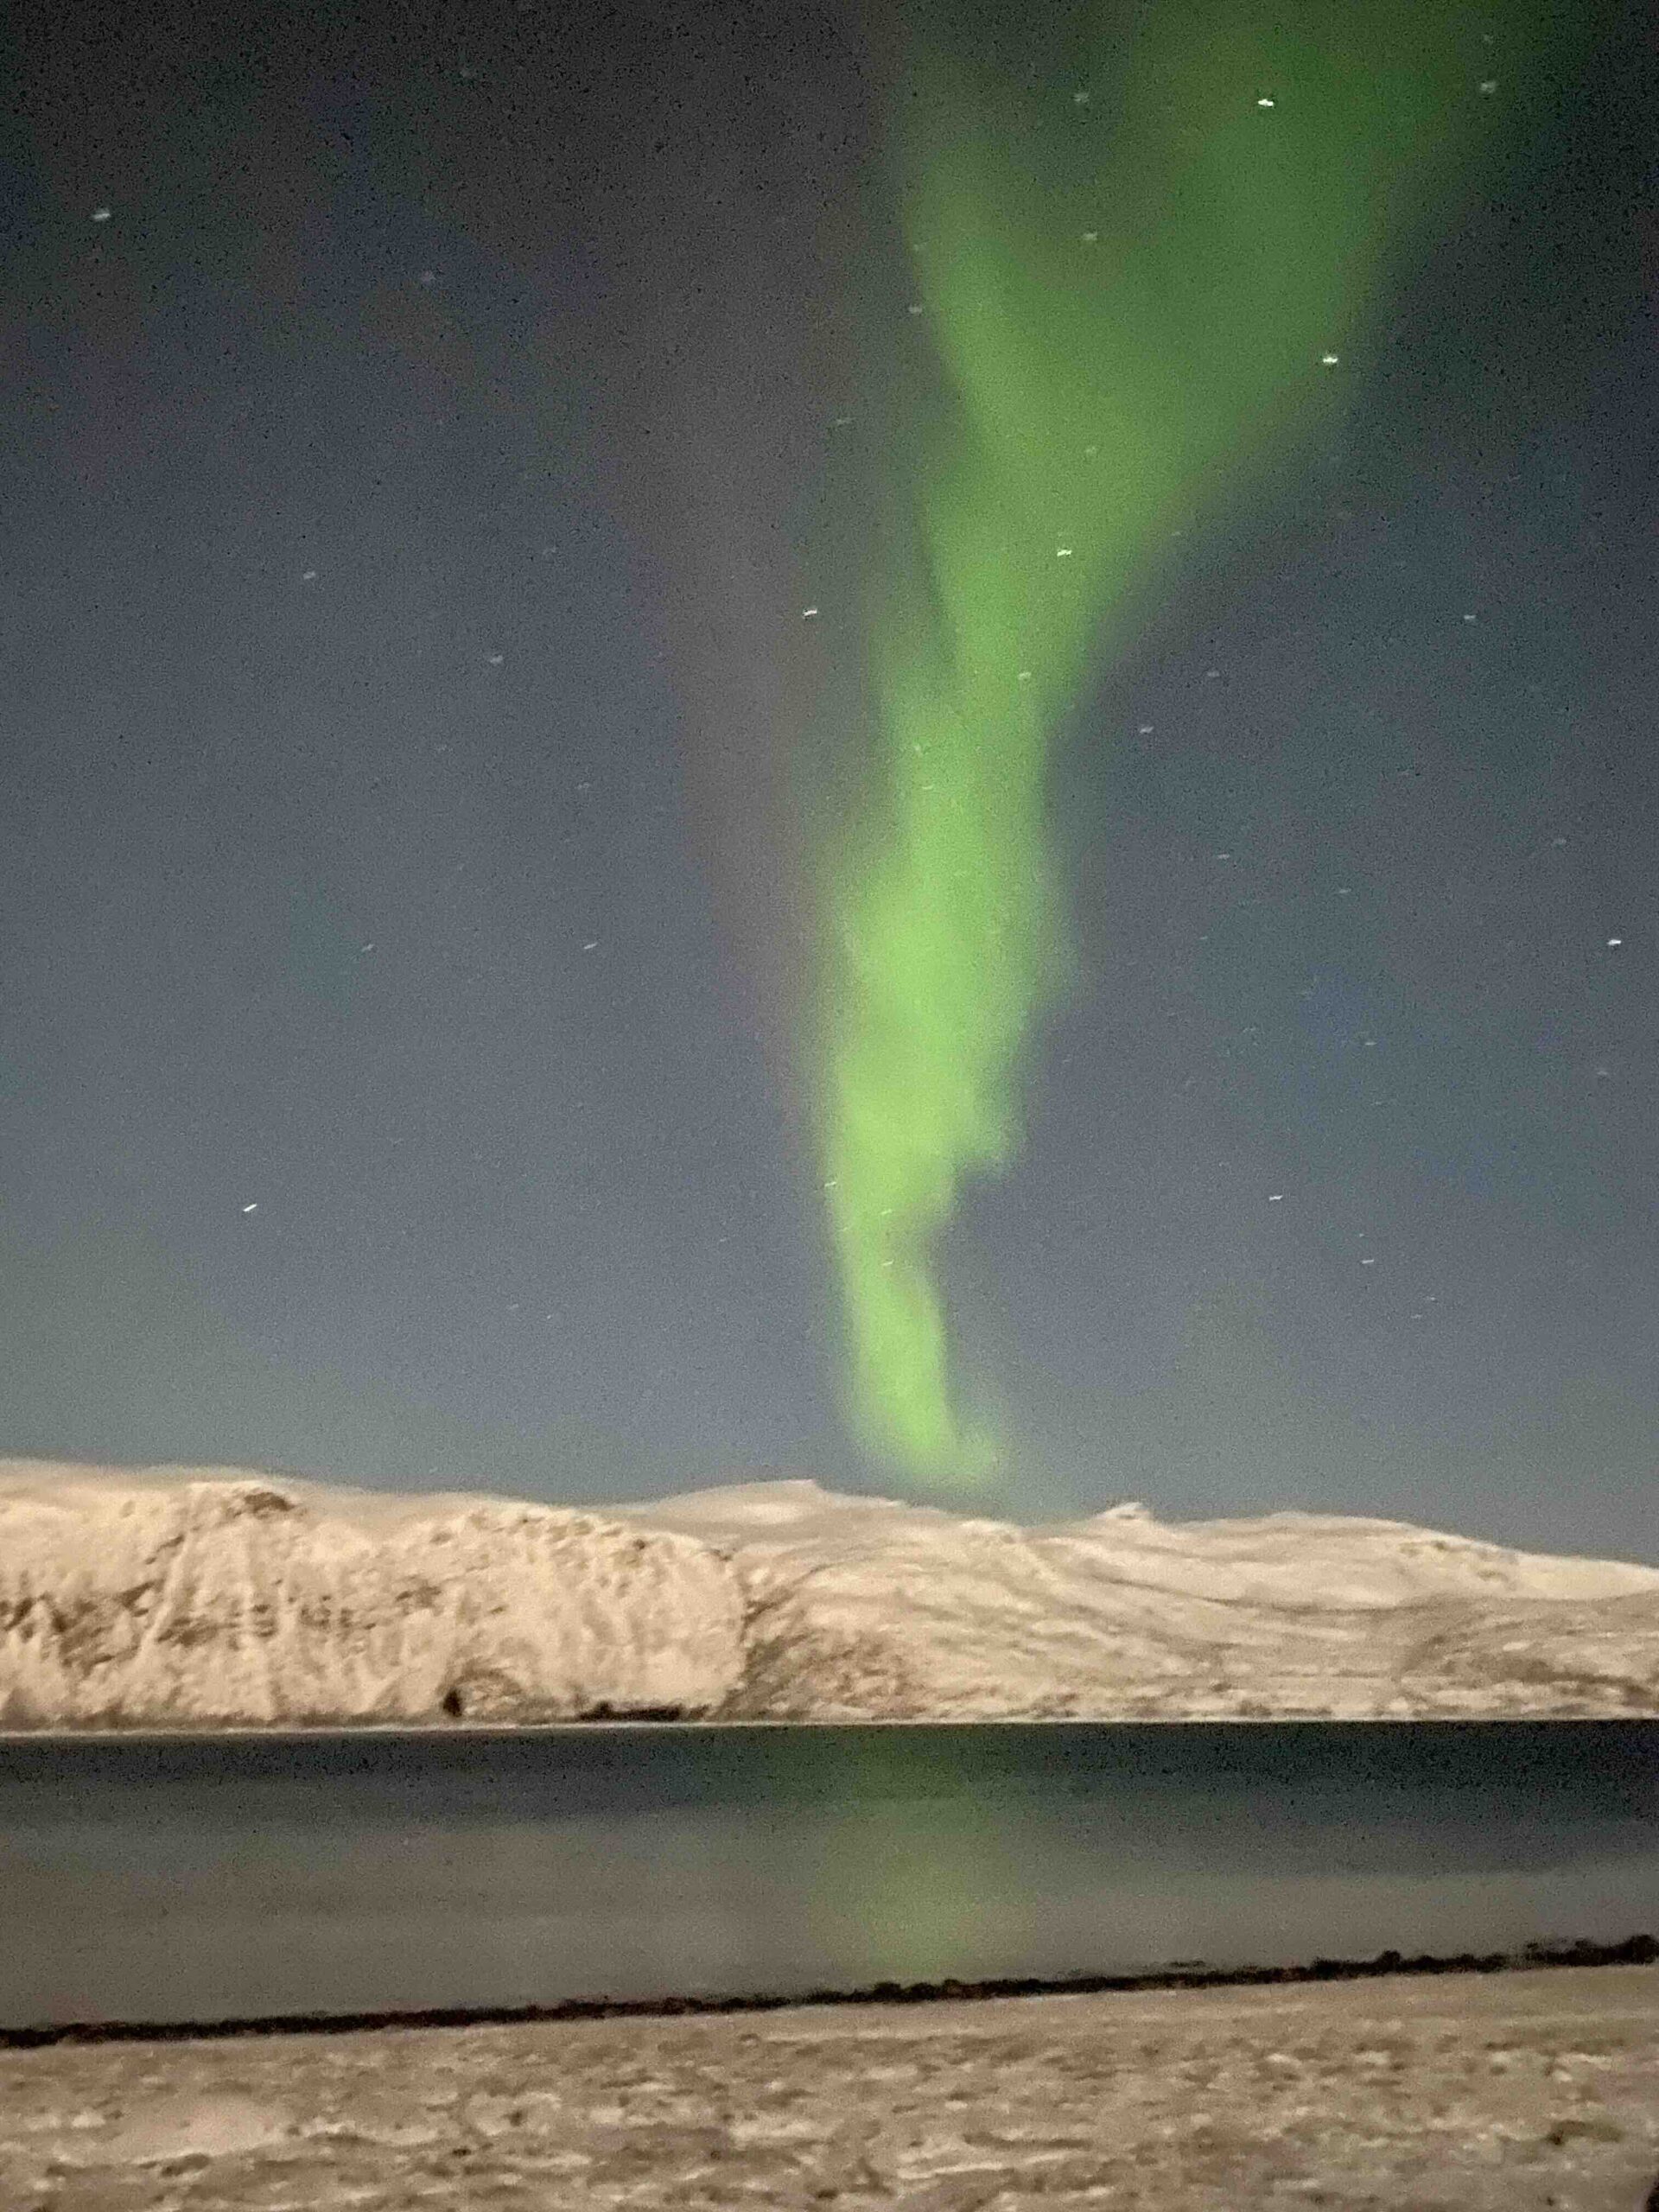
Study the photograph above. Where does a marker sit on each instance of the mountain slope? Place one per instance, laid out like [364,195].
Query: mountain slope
[867,1607]
[212,1598]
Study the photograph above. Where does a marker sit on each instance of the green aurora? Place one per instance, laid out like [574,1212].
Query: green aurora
[1149,259]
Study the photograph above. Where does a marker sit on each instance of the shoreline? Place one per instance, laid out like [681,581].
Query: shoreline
[303,1731]
[1641,1949]
[1486,2092]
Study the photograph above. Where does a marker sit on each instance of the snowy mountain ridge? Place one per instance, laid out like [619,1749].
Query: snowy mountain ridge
[916,1612]
[214,1597]
[220,1598]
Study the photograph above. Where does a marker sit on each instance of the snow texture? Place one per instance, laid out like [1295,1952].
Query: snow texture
[212,1598]
[866,1608]
[206,1598]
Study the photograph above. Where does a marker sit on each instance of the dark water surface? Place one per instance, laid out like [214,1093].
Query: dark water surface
[181,1877]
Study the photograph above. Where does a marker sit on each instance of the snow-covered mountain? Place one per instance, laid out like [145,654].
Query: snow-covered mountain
[210,1597]
[214,1597]
[865,1606]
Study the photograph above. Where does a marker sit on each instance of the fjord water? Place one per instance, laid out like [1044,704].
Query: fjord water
[193,1878]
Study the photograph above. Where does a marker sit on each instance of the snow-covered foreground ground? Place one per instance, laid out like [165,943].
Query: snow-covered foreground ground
[1465,2092]
[215,1597]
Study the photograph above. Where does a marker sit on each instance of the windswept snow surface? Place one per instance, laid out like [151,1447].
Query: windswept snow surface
[212,1598]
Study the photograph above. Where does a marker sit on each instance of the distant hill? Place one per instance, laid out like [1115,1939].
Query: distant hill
[209,1598]
[909,1611]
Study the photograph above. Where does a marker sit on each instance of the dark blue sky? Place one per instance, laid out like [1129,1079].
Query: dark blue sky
[401,490]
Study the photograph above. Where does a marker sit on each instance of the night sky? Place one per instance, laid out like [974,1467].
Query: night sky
[422,431]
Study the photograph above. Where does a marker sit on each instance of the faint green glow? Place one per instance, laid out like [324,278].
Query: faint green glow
[1150,261]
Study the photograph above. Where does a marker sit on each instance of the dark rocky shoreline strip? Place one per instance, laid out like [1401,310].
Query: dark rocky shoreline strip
[1632,1950]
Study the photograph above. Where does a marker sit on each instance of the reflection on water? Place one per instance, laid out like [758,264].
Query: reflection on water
[181,1878]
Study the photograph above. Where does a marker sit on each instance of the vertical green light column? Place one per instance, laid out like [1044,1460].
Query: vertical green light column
[1145,263]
